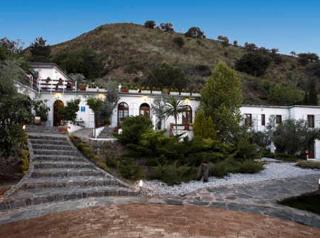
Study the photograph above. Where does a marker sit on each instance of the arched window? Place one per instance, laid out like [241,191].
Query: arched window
[123,112]
[187,115]
[144,110]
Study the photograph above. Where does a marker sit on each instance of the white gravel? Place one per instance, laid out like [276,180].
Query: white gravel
[272,171]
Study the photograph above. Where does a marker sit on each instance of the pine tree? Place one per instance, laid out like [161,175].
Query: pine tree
[221,99]
[203,127]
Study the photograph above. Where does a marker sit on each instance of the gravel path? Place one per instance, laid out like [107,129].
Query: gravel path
[273,171]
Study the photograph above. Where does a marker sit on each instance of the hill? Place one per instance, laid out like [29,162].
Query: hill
[130,51]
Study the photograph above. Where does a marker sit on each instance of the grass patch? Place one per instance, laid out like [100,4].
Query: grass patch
[308,164]
[286,157]
[308,202]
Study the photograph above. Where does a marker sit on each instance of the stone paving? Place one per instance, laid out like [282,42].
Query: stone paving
[156,221]
[259,198]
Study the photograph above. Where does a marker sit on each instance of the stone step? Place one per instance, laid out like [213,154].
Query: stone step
[51,147]
[49,142]
[25,198]
[62,164]
[54,158]
[70,182]
[47,138]
[56,152]
[60,173]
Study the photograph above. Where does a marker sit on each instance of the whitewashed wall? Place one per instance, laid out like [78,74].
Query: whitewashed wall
[269,112]
[87,115]
[134,102]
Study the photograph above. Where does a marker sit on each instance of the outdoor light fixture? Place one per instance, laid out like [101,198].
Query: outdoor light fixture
[101,97]
[319,184]
[141,183]
[24,127]
[57,95]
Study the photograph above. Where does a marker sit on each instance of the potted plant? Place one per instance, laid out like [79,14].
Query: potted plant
[82,86]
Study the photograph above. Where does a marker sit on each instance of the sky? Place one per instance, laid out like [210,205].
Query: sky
[288,25]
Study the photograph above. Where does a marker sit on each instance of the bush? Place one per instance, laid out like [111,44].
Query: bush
[129,169]
[195,32]
[301,137]
[286,157]
[231,165]
[150,24]
[253,63]
[285,94]
[179,41]
[173,174]
[308,164]
[250,166]
[132,129]
[41,110]
[69,112]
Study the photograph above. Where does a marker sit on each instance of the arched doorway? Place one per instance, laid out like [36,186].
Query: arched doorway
[57,117]
[144,110]
[187,115]
[123,112]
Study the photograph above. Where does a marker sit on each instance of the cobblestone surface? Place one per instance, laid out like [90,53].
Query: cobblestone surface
[155,221]
[260,198]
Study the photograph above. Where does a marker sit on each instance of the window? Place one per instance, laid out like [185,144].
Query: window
[144,110]
[187,115]
[248,119]
[123,112]
[263,119]
[311,121]
[278,119]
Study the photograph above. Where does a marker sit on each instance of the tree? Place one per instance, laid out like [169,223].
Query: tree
[166,76]
[195,32]
[306,58]
[300,136]
[250,46]
[15,109]
[224,40]
[82,61]
[166,27]
[285,94]
[203,127]
[150,24]
[235,43]
[40,51]
[174,107]
[95,105]
[254,63]
[69,112]
[132,129]
[41,109]
[221,99]
[158,109]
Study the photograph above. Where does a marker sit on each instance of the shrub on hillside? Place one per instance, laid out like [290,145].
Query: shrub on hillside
[179,41]
[253,63]
[150,24]
[285,94]
[195,32]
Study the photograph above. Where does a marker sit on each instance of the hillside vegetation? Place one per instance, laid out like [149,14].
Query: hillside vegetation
[129,53]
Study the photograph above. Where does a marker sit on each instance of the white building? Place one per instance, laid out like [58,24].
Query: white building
[60,89]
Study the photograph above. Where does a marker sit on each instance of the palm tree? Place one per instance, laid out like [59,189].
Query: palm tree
[174,107]
[158,108]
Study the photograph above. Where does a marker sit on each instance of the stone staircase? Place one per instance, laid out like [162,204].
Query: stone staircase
[106,133]
[58,172]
